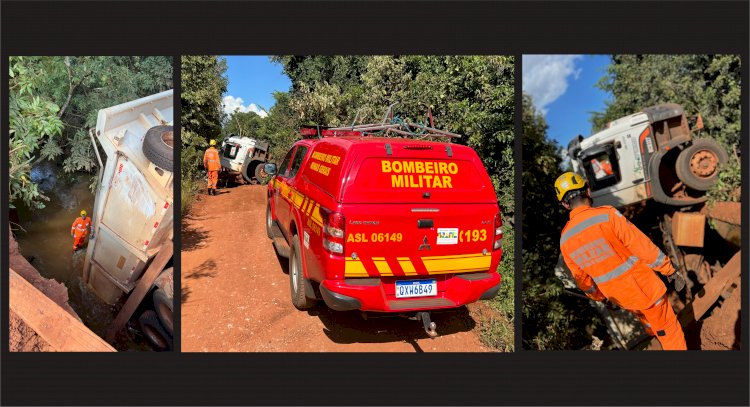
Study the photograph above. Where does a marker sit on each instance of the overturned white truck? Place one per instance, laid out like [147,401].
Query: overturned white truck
[130,252]
[243,158]
[652,166]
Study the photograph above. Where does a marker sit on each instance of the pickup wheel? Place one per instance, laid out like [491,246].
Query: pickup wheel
[297,278]
[269,221]
[154,332]
[157,146]
[163,306]
[698,165]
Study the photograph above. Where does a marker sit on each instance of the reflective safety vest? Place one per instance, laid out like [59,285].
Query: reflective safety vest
[211,159]
[81,227]
[610,257]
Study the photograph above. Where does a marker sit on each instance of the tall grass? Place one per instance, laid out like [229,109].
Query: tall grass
[496,325]
[189,187]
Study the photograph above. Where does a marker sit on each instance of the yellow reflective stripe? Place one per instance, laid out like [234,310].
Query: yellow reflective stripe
[382,265]
[310,208]
[297,199]
[406,266]
[450,264]
[316,215]
[434,264]
[354,268]
[453,256]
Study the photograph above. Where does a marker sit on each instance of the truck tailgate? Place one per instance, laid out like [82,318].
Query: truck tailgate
[416,240]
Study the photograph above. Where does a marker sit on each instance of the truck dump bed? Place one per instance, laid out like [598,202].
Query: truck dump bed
[132,214]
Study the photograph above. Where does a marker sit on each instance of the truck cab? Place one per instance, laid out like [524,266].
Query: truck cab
[244,156]
[133,214]
[652,154]
[383,224]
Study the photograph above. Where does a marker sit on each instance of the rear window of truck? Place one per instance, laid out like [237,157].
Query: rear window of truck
[419,180]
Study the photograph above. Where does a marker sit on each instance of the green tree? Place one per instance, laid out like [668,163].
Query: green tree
[281,126]
[204,82]
[551,319]
[73,89]
[35,129]
[705,84]
[244,124]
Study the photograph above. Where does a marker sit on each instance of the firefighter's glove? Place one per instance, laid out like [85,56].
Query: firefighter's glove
[677,281]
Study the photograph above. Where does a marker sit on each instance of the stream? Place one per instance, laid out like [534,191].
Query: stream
[44,240]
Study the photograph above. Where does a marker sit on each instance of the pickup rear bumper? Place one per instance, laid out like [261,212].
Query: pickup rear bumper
[378,294]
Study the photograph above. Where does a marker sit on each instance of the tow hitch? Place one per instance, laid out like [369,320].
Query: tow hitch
[429,326]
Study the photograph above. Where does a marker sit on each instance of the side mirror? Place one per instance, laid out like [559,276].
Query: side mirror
[270,168]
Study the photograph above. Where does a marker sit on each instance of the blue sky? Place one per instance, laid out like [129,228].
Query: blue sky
[252,82]
[562,87]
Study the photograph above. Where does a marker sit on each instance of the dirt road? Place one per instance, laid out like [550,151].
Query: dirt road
[235,294]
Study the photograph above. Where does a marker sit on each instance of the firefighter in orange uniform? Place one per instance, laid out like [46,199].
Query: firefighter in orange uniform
[612,260]
[212,165]
[80,229]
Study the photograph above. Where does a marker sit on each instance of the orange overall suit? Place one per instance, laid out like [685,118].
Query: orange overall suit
[211,162]
[610,258]
[80,230]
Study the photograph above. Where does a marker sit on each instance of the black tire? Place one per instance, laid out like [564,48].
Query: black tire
[297,278]
[260,173]
[154,332]
[269,221]
[709,156]
[247,171]
[157,146]
[163,306]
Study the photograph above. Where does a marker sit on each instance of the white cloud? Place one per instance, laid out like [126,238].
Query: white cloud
[232,104]
[545,77]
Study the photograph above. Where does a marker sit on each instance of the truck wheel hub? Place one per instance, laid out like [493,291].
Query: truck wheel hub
[168,138]
[704,163]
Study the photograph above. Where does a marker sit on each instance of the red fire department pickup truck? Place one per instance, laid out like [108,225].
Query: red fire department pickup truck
[384,224]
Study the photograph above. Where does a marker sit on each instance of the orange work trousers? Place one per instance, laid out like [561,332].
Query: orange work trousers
[78,241]
[661,321]
[213,178]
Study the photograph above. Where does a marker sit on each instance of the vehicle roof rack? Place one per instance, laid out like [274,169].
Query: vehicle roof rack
[396,127]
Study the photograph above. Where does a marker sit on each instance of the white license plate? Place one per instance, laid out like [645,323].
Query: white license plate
[416,288]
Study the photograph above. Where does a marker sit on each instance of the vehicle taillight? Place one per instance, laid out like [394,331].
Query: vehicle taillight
[498,232]
[333,231]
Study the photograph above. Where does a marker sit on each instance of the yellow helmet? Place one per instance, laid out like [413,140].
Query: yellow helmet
[83,213]
[212,142]
[569,181]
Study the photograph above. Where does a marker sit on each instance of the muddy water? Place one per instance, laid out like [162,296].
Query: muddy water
[45,241]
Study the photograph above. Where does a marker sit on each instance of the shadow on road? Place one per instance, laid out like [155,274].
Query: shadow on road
[193,237]
[205,269]
[184,294]
[350,327]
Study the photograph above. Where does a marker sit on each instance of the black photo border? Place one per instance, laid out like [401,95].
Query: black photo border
[367,27]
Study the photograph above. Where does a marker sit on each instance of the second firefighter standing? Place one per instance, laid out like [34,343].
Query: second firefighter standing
[212,165]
